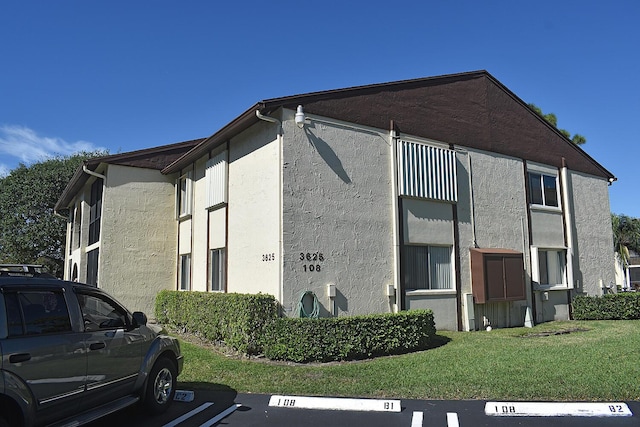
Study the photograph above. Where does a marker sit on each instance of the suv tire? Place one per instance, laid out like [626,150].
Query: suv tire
[161,386]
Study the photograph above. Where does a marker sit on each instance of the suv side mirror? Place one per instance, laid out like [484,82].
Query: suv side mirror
[139,319]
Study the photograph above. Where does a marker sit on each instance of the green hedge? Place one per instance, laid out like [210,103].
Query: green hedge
[237,320]
[348,338]
[620,306]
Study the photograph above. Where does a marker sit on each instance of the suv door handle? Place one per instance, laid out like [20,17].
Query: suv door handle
[97,346]
[20,357]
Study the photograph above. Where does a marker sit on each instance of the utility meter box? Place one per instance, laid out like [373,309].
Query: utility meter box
[331,290]
[389,290]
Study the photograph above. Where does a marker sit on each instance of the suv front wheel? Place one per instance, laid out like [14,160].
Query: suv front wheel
[161,386]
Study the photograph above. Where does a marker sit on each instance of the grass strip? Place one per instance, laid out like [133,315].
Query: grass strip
[563,361]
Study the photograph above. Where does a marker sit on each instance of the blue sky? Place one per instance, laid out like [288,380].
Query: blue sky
[126,75]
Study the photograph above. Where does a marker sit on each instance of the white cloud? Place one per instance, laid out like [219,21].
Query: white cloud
[26,146]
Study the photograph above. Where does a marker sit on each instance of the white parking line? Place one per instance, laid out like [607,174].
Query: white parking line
[416,420]
[221,415]
[452,419]
[188,414]
[335,403]
[557,409]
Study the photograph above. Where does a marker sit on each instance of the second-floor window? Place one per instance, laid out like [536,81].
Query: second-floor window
[543,189]
[183,195]
[95,211]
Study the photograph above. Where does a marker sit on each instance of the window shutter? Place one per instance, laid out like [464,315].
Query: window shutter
[216,176]
[427,172]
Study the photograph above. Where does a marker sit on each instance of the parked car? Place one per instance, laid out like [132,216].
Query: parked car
[70,353]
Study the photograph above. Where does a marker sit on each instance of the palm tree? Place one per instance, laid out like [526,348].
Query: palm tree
[626,238]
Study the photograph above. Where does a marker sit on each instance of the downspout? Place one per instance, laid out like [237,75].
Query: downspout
[393,141]
[568,221]
[86,170]
[280,202]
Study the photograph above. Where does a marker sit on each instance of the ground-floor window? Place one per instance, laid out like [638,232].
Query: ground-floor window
[552,266]
[184,273]
[92,267]
[427,267]
[217,279]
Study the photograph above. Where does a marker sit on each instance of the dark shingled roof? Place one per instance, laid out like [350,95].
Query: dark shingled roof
[152,158]
[471,110]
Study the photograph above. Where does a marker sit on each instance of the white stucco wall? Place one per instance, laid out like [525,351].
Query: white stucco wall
[499,217]
[593,235]
[428,222]
[337,216]
[199,218]
[254,212]
[138,236]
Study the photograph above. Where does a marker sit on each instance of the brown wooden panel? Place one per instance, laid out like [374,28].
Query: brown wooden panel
[514,278]
[494,273]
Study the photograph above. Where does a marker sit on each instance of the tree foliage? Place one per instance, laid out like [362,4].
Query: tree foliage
[552,119]
[626,236]
[30,232]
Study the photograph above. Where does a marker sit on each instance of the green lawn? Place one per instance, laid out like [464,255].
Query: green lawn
[598,360]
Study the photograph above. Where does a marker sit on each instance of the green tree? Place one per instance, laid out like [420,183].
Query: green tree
[626,236]
[30,232]
[552,119]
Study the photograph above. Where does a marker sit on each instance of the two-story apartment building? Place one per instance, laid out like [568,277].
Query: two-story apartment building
[446,193]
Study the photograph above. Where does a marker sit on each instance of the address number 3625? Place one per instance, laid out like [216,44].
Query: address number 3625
[311,256]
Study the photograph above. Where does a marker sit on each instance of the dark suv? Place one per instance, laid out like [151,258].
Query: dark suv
[70,353]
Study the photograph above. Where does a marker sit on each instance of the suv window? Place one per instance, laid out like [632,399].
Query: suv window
[100,312]
[36,312]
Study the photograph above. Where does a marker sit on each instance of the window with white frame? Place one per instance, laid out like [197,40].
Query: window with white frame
[184,272]
[217,269]
[428,267]
[550,266]
[183,195]
[543,189]
[216,176]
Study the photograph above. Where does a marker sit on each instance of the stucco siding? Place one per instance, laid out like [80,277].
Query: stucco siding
[138,236]
[593,235]
[254,212]
[337,217]
[500,205]
[199,252]
[547,229]
[499,217]
[427,222]
[217,228]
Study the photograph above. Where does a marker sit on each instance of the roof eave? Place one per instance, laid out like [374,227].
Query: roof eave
[240,123]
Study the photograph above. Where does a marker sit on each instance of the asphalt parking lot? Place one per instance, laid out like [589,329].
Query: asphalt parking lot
[227,408]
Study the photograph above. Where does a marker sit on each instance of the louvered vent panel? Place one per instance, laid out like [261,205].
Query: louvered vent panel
[427,172]
[216,176]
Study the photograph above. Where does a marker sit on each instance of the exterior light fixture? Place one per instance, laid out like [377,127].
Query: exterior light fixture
[300,117]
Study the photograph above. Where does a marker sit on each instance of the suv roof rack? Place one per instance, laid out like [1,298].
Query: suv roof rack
[24,270]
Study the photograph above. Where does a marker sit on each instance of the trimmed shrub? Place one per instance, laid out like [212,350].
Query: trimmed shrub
[348,338]
[237,320]
[620,306]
